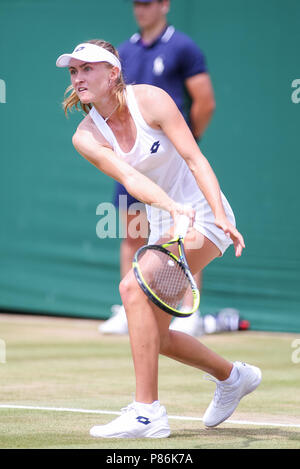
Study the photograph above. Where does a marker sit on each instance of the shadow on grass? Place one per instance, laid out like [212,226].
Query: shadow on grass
[239,437]
[191,438]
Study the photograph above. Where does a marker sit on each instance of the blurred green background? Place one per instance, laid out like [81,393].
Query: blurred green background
[51,260]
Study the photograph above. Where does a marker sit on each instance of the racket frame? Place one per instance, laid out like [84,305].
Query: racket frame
[182,262]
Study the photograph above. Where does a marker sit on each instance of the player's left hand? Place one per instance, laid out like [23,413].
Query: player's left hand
[231,231]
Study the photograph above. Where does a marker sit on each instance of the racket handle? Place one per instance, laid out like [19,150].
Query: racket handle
[182,226]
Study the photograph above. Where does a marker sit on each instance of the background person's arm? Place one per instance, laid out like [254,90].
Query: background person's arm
[203,103]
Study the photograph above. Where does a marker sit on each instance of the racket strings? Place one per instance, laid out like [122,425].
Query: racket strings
[167,279]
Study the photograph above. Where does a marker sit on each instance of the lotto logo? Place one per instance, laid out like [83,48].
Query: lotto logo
[143,420]
[155,147]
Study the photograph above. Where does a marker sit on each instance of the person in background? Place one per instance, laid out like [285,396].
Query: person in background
[169,59]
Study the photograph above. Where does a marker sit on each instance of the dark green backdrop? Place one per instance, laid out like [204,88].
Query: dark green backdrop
[51,259]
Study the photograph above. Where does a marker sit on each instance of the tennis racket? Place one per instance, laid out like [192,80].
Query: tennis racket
[165,278]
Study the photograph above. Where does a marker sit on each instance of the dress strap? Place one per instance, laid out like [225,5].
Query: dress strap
[102,126]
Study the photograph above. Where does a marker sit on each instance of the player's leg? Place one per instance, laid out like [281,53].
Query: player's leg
[233,380]
[145,417]
[150,335]
[135,226]
[133,239]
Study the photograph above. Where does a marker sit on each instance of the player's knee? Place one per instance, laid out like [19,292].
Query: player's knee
[128,290]
[124,288]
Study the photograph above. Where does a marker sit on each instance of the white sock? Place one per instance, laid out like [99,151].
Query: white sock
[149,408]
[233,377]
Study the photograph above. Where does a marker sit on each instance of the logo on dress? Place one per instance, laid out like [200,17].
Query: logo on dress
[158,66]
[155,147]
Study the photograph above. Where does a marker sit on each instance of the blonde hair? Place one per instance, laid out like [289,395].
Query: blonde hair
[70,97]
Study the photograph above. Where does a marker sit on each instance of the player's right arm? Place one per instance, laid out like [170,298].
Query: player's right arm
[93,147]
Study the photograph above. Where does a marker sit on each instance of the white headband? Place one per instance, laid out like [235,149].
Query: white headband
[87,52]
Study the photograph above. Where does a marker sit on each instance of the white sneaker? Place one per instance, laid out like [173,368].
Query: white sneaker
[192,325]
[117,324]
[135,422]
[227,396]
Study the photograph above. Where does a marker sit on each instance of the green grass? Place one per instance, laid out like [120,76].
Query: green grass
[59,362]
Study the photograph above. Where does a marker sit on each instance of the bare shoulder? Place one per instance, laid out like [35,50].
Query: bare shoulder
[154,103]
[88,134]
[150,94]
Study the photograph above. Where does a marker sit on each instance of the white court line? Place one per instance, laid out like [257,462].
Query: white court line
[173,417]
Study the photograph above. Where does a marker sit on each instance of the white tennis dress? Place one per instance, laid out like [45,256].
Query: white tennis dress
[154,155]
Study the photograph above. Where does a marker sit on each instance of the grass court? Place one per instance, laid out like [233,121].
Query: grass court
[61,377]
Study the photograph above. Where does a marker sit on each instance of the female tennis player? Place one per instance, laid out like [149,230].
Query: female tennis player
[136,135]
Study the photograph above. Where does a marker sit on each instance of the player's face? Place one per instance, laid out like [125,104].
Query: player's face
[90,80]
[149,13]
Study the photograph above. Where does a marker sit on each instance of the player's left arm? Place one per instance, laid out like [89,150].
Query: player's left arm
[160,111]
[200,89]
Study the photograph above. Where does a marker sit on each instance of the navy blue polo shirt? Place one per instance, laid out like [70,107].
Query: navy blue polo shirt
[167,62]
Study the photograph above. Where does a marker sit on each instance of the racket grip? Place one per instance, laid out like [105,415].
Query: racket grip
[182,226]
